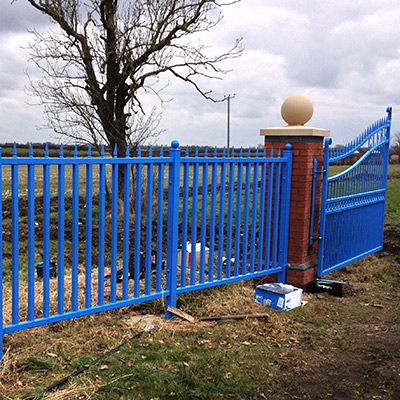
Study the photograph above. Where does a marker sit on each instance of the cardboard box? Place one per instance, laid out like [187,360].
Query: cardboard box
[278,295]
[189,254]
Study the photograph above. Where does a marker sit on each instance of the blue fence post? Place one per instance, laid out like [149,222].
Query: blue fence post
[173,226]
[322,218]
[285,209]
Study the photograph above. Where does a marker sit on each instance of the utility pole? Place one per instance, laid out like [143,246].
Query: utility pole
[228,123]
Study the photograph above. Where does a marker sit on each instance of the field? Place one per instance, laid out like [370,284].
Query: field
[339,348]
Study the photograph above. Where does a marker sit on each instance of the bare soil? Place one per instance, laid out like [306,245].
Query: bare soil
[357,359]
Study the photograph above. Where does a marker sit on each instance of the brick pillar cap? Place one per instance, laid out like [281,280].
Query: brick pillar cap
[298,130]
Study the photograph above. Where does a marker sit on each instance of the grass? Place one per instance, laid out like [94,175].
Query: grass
[340,348]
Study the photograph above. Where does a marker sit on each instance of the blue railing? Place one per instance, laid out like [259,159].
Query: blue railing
[112,252]
[374,135]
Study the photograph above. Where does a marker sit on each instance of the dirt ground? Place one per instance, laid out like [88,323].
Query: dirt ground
[358,357]
[358,360]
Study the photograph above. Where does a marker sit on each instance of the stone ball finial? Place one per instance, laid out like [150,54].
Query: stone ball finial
[297,109]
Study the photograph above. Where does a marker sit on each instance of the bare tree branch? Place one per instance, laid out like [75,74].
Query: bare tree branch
[104,53]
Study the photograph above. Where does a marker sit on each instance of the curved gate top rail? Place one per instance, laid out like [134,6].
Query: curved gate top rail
[353,202]
[374,134]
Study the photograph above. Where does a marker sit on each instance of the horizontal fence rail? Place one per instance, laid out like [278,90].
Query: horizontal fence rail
[85,234]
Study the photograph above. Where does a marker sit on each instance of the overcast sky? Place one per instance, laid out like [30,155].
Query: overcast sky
[343,54]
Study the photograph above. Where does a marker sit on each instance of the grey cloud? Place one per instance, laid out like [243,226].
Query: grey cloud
[321,42]
[343,54]
[20,16]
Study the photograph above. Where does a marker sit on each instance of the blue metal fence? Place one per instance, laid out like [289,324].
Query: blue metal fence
[184,223]
[353,202]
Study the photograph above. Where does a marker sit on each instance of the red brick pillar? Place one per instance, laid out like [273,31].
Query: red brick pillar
[307,145]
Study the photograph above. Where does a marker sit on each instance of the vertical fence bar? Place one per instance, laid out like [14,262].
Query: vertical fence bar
[213,202]
[138,222]
[31,238]
[203,223]
[160,219]
[149,225]
[267,244]
[246,215]
[261,215]
[194,220]
[277,188]
[60,234]
[173,214]
[322,219]
[46,236]
[102,206]
[221,228]
[238,220]
[351,182]
[385,162]
[185,206]
[15,240]
[285,211]
[254,208]
[125,242]
[75,232]
[114,229]
[89,228]
[230,216]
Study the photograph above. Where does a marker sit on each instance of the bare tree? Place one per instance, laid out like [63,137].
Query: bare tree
[395,144]
[104,54]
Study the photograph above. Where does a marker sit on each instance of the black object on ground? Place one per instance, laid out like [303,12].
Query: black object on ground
[52,268]
[334,288]
[142,266]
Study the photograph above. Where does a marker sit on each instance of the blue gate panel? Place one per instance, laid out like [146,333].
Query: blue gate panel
[360,226]
[353,202]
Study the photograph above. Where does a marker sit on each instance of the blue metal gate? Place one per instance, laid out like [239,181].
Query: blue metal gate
[353,201]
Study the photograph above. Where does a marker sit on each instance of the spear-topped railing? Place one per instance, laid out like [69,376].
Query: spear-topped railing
[373,135]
